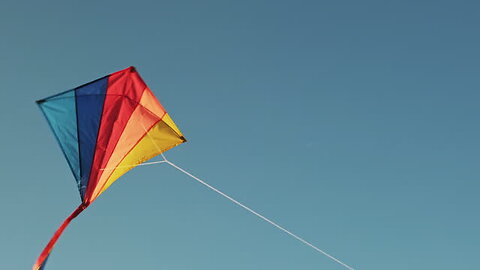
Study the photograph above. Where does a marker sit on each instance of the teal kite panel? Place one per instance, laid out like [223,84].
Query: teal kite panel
[60,111]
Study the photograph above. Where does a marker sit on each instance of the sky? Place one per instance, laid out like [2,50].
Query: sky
[354,124]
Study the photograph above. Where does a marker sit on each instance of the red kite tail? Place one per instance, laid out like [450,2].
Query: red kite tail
[42,259]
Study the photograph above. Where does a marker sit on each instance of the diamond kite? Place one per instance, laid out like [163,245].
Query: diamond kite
[105,128]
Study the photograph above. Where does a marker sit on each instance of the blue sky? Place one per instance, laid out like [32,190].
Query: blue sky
[352,123]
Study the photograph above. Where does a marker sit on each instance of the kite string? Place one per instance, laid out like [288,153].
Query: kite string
[165,160]
[257,214]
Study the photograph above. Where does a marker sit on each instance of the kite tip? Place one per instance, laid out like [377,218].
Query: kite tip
[40,101]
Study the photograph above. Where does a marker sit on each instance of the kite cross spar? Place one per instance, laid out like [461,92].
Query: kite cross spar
[109,126]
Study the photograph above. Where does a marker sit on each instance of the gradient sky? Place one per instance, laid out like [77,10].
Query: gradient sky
[355,124]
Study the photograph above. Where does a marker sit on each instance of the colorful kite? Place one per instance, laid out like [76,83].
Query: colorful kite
[105,128]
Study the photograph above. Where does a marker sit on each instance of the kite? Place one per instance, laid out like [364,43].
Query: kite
[113,122]
[109,126]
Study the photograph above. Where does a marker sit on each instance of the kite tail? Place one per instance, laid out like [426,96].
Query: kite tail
[42,259]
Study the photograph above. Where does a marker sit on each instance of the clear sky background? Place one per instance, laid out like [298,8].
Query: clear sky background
[355,124]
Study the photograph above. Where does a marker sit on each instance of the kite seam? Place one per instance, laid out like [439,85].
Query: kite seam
[82,192]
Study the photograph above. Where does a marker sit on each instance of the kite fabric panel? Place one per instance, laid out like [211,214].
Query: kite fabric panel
[105,128]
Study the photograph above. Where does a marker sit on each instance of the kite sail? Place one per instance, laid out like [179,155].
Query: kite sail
[105,128]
